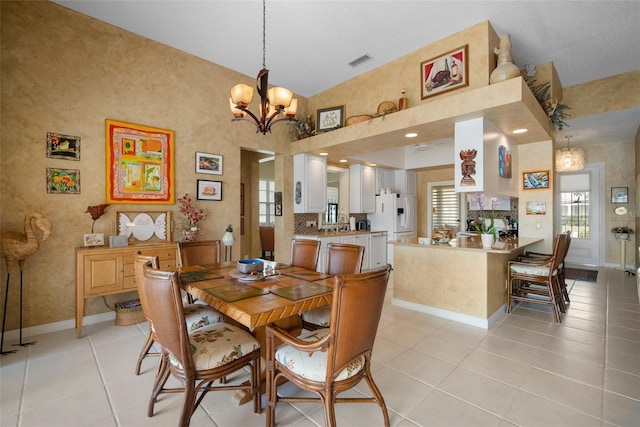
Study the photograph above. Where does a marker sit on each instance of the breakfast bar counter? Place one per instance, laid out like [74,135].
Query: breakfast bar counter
[464,282]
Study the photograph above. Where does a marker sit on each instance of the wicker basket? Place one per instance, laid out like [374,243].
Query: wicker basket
[358,119]
[387,107]
[126,315]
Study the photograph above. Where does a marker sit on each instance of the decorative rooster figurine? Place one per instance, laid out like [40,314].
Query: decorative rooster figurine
[17,247]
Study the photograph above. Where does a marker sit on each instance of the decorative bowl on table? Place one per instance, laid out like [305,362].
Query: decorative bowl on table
[441,235]
[248,266]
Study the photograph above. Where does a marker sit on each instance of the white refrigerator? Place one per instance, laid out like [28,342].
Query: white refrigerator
[396,213]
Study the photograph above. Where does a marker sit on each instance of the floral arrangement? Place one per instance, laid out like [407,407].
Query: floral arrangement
[555,110]
[191,212]
[96,212]
[300,129]
[622,230]
[478,201]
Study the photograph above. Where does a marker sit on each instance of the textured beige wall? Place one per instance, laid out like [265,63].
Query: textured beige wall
[64,72]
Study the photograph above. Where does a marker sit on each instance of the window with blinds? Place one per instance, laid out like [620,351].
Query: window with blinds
[445,206]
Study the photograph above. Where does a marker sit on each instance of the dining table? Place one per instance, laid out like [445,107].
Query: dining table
[277,295]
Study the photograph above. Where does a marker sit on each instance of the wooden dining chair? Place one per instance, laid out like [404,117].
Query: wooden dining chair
[196,315]
[538,281]
[343,258]
[205,252]
[305,253]
[330,361]
[267,243]
[196,359]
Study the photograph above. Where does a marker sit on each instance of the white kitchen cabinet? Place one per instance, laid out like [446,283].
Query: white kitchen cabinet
[385,178]
[360,240]
[406,182]
[377,250]
[362,195]
[310,183]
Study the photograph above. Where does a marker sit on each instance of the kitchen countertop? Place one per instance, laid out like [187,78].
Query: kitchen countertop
[502,245]
[321,233]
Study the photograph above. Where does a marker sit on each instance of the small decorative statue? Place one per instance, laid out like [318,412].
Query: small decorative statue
[506,69]
[468,166]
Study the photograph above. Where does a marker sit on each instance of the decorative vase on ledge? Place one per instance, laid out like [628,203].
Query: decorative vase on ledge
[190,235]
[487,240]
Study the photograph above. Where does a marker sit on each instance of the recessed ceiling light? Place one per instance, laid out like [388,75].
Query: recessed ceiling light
[521,130]
[343,160]
[324,154]
[411,135]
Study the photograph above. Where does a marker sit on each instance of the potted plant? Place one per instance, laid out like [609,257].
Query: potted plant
[622,232]
[300,129]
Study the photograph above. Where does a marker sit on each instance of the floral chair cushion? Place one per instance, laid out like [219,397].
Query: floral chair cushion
[318,316]
[534,270]
[216,345]
[199,315]
[313,366]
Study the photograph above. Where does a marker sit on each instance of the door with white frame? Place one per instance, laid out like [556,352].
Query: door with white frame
[580,201]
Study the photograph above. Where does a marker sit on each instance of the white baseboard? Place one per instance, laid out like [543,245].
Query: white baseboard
[33,331]
[452,315]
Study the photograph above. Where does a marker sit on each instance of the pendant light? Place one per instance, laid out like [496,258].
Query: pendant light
[276,104]
[569,159]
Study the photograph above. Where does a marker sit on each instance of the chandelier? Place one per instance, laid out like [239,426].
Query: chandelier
[569,159]
[276,104]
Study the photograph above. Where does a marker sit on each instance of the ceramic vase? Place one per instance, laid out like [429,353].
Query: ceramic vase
[487,240]
[189,235]
[506,69]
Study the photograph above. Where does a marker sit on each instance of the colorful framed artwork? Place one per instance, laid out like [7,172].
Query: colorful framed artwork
[208,163]
[65,147]
[209,190]
[504,161]
[63,181]
[536,180]
[444,73]
[536,208]
[140,164]
[330,118]
[619,194]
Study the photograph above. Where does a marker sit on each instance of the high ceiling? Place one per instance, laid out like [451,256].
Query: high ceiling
[309,44]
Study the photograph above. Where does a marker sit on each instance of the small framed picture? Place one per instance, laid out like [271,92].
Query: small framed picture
[209,190]
[65,147]
[96,239]
[444,73]
[278,203]
[208,163]
[63,181]
[536,208]
[330,118]
[535,180]
[619,194]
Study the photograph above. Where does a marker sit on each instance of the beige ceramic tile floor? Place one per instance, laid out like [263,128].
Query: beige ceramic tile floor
[525,371]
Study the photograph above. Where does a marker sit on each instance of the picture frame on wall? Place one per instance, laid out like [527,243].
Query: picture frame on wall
[64,147]
[443,73]
[619,194]
[140,164]
[63,181]
[208,163]
[277,196]
[330,118]
[209,190]
[535,180]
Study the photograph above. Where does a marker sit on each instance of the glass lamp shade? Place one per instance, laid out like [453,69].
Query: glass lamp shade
[292,109]
[237,113]
[280,96]
[241,95]
[569,160]
[271,112]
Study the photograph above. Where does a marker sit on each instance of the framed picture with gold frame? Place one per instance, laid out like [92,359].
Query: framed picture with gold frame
[444,73]
[140,164]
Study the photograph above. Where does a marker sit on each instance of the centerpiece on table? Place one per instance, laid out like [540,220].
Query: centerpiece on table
[192,217]
[487,232]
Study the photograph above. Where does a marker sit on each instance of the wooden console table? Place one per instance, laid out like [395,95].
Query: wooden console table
[107,271]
